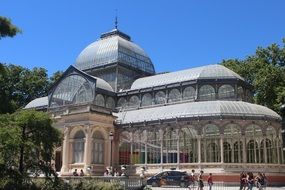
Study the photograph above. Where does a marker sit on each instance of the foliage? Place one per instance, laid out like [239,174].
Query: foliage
[265,70]
[7,28]
[19,86]
[27,142]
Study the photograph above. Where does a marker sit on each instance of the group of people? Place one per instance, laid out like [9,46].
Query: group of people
[75,173]
[248,181]
[108,172]
[200,181]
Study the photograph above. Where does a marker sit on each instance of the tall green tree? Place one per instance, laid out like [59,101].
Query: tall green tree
[27,142]
[265,70]
[7,29]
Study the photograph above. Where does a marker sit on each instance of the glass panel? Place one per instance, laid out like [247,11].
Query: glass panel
[78,147]
[189,93]
[170,147]
[122,102]
[210,149]
[174,95]
[71,90]
[153,147]
[226,92]
[110,103]
[100,100]
[160,97]
[146,99]
[188,145]
[240,93]
[207,92]
[134,101]
[98,148]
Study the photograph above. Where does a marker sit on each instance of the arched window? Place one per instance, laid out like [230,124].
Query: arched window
[146,100]
[134,101]
[100,100]
[125,148]
[110,103]
[174,95]
[188,145]
[271,145]
[207,92]
[240,93]
[98,148]
[252,133]
[73,89]
[78,147]
[227,152]
[232,136]
[209,144]
[160,97]
[122,102]
[189,93]
[226,92]
[153,146]
[170,146]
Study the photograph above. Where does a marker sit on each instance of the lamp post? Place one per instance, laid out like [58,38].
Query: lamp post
[111,137]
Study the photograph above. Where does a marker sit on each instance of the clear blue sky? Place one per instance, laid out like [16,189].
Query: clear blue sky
[176,34]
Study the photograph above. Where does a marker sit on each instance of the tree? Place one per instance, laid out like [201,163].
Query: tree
[54,78]
[7,28]
[27,142]
[265,70]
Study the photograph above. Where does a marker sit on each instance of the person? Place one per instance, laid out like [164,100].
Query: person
[106,173]
[116,173]
[192,180]
[75,173]
[81,173]
[250,180]
[243,182]
[259,179]
[265,180]
[210,181]
[200,181]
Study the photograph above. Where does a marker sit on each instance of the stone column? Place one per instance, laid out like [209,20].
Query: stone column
[199,148]
[65,151]
[265,150]
[244,149]
[178,148]
[222,148]
[132,143]
[87,148]
[161,146]
[278,150]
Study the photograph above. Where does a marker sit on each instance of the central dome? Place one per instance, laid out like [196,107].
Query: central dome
[114,47]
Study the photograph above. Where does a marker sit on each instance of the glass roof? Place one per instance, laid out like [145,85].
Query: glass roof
[39,102]
[113,47]
[204,72]
[196,109]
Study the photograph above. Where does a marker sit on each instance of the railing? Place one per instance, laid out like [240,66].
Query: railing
[125,182]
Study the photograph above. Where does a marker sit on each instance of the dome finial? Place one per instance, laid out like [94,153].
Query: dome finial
[116,19]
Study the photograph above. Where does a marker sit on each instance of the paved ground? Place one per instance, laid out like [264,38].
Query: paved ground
[214,188]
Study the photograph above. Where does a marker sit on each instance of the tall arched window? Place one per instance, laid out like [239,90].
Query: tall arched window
[188,145]
[78,147]
[174,95]
[226,92]
[146,100]
[125,148]
[153,146]
[98,148]
[100,100]
[207,92]
[170,146]
[252,133]
[189,93]
[134,101]
[232,136]
[210,149]
[227,152]
[160,97]
[271,145]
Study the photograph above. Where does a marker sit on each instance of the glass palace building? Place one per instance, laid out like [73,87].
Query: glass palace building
[114,110]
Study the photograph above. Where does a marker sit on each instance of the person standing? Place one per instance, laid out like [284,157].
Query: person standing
[200,181]
[250,180]
[210,181]
[243,183]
